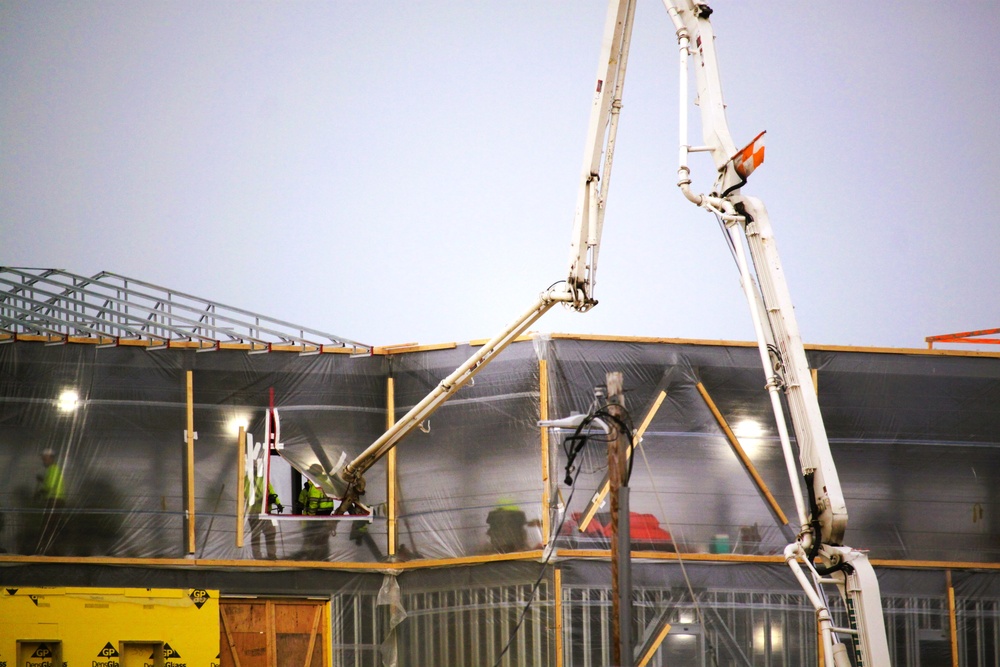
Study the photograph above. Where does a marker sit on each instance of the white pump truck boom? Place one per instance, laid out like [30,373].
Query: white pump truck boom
[575,292]
[823,521]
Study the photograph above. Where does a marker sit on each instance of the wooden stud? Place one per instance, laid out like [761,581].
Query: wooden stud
[952,620]
[391,482]
[312,636]
[543,413]
[617,439]
[272,635]
[241,463]
[229,636]
[327,638]
[742,455]
[533,555]
[819,629]
[189,453]
[558,610]
[651,651]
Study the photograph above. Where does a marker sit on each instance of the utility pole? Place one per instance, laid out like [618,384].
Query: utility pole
[621,543]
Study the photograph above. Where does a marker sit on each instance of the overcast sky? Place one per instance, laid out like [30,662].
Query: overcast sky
[407,171]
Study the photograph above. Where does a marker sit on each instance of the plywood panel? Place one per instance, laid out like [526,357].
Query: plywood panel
[259,633]
[299,633]
[294,618]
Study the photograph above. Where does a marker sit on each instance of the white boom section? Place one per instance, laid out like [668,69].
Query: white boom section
[824,521]
[815,457]
[793,377]
[595,175]
[347,483]
[577,291]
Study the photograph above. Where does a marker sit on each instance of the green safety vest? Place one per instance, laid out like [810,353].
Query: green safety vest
[52,484]
[314,501]
[258,498]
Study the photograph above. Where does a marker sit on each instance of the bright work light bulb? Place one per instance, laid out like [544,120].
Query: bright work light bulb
[68,401]
[236,422]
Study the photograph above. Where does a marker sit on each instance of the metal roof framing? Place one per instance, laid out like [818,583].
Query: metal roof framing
[975,337]
[109,309]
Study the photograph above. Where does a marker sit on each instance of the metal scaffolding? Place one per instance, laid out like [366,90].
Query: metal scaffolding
[110,309]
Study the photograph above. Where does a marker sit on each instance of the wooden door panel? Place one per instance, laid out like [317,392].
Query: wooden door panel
[299,634]
[272,633]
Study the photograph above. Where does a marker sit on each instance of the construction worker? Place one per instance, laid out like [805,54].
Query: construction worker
[315,534]
[317,503]
[308,493]
[507,527]
[50,494]
[262,528]
[50,490]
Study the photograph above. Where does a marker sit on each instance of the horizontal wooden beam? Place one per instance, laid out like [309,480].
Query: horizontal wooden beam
[533,555]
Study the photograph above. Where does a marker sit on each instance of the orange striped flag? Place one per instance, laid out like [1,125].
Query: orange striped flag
[751,157]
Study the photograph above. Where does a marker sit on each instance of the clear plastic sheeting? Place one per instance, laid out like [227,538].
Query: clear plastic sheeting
[916,438]
[120,447]
[478,453]
[309,452]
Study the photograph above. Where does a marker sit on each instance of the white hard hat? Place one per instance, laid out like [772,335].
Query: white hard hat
[48,451]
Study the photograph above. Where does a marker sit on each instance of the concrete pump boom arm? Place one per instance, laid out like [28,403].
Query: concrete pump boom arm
[595,175]
[576,291]
[823,520]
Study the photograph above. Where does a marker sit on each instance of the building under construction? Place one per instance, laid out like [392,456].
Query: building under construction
[486,545]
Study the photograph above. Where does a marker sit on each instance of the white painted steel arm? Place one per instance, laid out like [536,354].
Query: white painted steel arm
[443,391]
[793,554]
[793,378]
[824,521]
[697,42]
[859,587]
[595,175]
[815,456]
[758,315]
[348,482]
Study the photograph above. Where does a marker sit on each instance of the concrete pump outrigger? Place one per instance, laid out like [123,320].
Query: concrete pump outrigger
[821,511]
